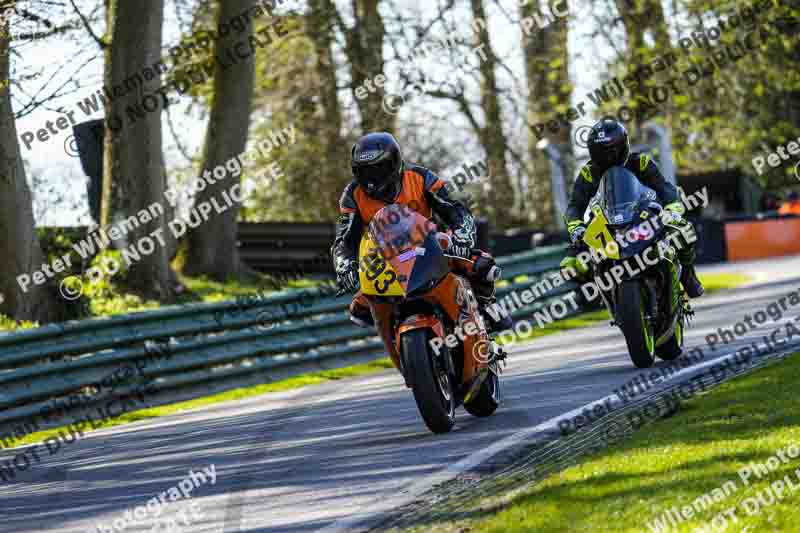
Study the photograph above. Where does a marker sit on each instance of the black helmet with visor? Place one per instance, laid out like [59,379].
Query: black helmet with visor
[608,144]
[377,165]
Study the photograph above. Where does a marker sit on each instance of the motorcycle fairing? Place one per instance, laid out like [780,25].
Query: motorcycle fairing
[390,249]
[376,276]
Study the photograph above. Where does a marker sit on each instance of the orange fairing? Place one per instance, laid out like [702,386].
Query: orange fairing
[398,232]
[419,322]
[400,254]
[455,296]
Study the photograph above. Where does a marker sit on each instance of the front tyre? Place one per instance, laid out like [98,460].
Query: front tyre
[487,400]
[637,330]
[432,386]
[673,348]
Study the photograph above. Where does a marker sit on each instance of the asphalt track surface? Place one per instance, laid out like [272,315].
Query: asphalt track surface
[313,458]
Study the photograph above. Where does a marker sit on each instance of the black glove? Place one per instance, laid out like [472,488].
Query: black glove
[347,279]
[461,244]
[460,249]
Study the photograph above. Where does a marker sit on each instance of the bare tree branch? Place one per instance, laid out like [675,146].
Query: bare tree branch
[34,102]
[181,148]
[100,42]
[57,30]
[24,13]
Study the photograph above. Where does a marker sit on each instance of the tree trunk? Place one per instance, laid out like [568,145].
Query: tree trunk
[639,16]
[336,150]
[549,92]
[135,179]
[365,53]
[108,138]
[212,246]
[491,135]
[20,252]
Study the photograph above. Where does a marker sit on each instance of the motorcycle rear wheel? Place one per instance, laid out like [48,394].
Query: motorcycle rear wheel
[638,333]
[432,387]
[486,402]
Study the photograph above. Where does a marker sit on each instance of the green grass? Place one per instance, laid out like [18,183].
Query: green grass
[205,290]
[718,282]
[670,464]
[6,324]
[114,300]
[579,321]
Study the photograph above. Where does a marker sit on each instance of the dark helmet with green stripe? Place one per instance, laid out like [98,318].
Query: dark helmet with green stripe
[608,144]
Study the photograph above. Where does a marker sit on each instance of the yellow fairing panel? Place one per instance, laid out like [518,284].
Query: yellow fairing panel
[598,237]
[376,275]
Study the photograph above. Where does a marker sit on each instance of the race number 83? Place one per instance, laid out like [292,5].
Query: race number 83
[374,268]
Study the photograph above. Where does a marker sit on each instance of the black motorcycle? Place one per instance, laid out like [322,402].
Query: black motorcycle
[635,268]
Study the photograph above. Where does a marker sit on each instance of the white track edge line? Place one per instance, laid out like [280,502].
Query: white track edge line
[382,505]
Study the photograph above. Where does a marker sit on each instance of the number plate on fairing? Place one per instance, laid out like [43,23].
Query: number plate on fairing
[376,275]
[598,237]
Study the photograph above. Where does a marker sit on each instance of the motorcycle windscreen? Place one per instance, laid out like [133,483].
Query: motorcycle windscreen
[621,196]
[430,265]
[398,234]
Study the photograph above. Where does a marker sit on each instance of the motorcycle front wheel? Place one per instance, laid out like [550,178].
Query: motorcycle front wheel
[638,332]
[672,348]
[432,386]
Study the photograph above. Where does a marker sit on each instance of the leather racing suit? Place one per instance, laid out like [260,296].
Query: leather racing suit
[643,167]
[422,191]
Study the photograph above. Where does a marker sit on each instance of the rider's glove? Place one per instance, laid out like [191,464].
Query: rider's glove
[572,263]
[576,231]
[673,213]
[568,262]
[461,244]
[347,279]
[462,249]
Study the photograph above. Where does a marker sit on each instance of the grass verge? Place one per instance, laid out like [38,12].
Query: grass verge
[721,281]
[676,464]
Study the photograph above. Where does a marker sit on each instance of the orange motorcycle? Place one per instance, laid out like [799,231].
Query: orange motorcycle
[428,317]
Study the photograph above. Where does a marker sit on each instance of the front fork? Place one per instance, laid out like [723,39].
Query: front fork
[651,311]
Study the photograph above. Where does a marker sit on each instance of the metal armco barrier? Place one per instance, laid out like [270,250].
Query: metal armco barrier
[199,346]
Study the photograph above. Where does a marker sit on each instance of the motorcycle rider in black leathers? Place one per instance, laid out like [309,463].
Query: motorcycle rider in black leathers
[382,177]
[609,146]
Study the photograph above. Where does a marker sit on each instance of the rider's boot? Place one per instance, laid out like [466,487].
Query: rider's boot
[690,282]
[687,253]
[361,314]
[503,322]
